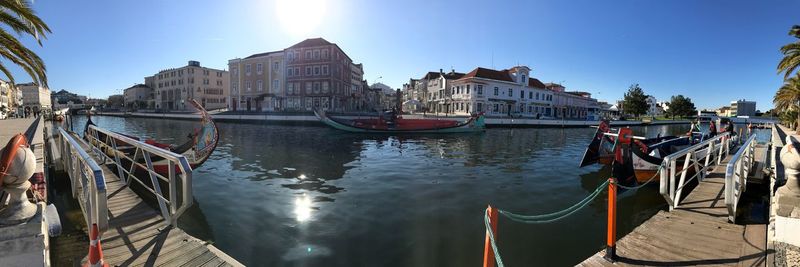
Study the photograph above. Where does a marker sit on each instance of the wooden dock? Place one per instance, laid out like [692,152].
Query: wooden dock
[695,233]
[138,235]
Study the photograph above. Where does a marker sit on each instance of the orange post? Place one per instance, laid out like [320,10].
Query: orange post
[611,243]
[488,253]
[95,258]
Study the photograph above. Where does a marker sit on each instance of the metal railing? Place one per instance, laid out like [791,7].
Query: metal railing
[128,163]
[739,167]
[86,179]
[701,158]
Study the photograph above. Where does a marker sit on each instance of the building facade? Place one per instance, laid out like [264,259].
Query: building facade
[174,88]
[438,88]
[743,107]
[34,97]
[6,97]
[653,108]
[573,105]
[139,96]
[357,99]
[257,81]
[508,92]
[318,75]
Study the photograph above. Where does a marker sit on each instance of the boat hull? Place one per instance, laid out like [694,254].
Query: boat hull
[471,126]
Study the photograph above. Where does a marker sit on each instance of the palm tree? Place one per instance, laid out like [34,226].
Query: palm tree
[788,96]
[791,54]
[18,16]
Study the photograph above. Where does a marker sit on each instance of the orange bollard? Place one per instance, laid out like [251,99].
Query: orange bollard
[611,243]
[95,250]
[488,253]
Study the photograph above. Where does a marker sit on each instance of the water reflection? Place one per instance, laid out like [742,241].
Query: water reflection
[314,196]
[302,208]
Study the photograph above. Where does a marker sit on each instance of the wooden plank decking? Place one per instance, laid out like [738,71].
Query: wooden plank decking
[137,234]
[696,233]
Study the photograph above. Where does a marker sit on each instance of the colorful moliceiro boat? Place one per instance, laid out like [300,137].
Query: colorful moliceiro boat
[641,156]
[391,123]
[197,149]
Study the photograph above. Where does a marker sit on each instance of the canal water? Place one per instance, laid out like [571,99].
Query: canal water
[313,196]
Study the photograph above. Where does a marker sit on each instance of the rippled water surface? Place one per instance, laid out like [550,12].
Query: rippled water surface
[313,196]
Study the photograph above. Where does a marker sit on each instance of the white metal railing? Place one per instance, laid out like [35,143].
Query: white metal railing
[701,157]
[87,180]
[179,172]
[739,167]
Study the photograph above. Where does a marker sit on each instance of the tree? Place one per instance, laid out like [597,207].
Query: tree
[788,96]
[681,106]
[17,15]
[791,54]
[635,101]
[115,101]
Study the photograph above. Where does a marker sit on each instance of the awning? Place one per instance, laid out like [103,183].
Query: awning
[412,102]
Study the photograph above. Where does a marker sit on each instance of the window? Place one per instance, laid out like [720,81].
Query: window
[276,65]
[289,72]
[524,78]
[308,71]
[276,84]
[316,70]
[316,87]
[522,94]
[479,105]
[316,54]
[297,71]
[510,92]
[325,87]
[496,107]
[247,69]
[205,81]
[467,88]
[308,54]
[480,90]
[325,53]
[496,92]
[247,86]
[530,109]
[234,86]
[260,85]
[537,96]
[325,70]
[259,68]
[530,95]
[308,87]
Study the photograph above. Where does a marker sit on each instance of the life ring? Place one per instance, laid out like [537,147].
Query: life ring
[9,153]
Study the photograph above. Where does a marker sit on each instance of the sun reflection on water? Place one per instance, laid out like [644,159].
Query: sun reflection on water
[302,208]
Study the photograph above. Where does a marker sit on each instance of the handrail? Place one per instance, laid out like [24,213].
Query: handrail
[171,207]
[87,180]
[702,157]
[736,172]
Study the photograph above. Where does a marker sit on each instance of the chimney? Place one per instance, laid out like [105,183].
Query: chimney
[441,71]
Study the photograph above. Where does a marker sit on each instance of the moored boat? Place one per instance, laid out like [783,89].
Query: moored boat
[392,123]
[197,149]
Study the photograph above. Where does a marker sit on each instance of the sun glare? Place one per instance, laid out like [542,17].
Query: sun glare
[300,17]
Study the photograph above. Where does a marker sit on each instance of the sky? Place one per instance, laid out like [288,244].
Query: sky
[712,51]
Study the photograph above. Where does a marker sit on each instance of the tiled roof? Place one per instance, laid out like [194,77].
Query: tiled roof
[311,42]
[431,75]
[453,75]
[533,82]
[489,74]
[262,54]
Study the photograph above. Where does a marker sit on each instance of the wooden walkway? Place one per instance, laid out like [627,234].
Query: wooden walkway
[137,234]
[696,233]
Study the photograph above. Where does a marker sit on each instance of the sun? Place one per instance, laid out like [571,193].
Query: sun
[300,17]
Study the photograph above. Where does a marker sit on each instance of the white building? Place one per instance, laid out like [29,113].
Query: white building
[501,93]
[573,105]
[652,107]
[35,97]
[437,87]
[743,107]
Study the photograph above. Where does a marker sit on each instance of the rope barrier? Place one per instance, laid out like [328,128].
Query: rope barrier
[538,219]
[555,216]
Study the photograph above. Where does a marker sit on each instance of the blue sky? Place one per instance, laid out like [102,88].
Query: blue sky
[712,51]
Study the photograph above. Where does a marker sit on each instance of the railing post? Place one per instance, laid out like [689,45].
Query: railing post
[611,242]
[488,252]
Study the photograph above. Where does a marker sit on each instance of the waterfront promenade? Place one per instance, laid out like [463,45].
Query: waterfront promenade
[697,232]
